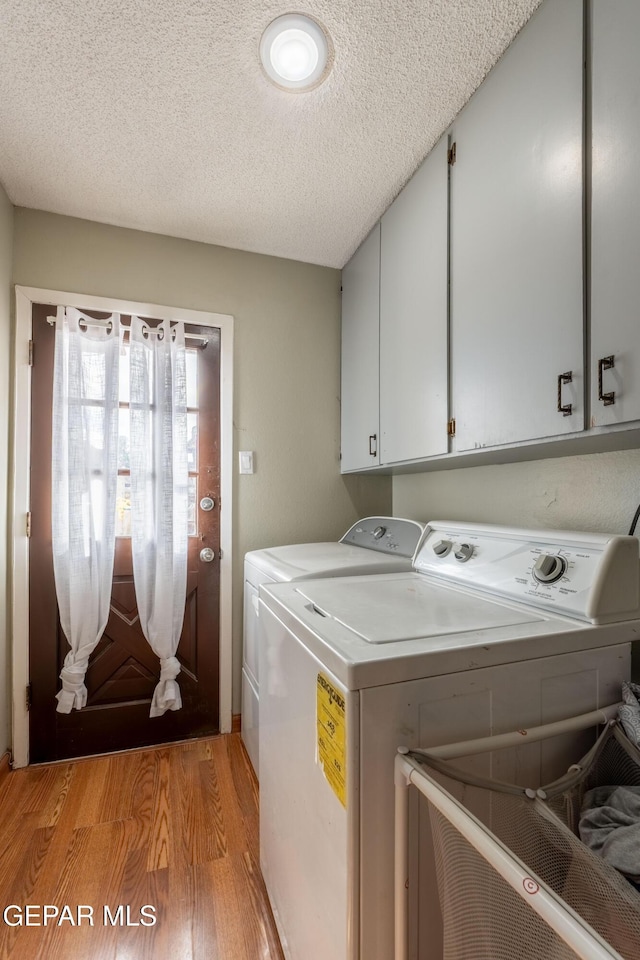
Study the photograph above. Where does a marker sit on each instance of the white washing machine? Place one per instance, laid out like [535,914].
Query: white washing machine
[372,545]
[495,629]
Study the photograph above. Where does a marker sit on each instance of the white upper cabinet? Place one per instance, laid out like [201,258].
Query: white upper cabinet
[517,242]
[361,355]
[413,316]
[615,224]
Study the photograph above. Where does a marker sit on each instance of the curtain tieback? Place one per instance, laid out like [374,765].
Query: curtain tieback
[74,692]
[166,695]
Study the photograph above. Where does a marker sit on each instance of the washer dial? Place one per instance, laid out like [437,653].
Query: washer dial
[548,568]
[464,552]
[442,548]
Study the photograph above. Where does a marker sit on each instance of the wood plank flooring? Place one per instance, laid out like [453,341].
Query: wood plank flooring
[174,829]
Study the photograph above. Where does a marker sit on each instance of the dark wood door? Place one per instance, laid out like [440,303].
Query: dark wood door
[123,670]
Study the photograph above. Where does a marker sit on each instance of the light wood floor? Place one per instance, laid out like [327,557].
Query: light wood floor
[175,828]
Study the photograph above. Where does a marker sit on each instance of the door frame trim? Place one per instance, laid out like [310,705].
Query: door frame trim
[20,456]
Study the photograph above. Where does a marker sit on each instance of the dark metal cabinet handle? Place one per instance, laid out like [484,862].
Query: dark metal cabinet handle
[605,363]
[564,408]
[373,445]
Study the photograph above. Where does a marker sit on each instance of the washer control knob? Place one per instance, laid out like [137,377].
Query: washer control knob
[464,552]
[442,548]
[548,568]
[379,532]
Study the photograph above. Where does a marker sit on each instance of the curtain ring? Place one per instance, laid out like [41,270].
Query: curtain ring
[148,332]
[84,325]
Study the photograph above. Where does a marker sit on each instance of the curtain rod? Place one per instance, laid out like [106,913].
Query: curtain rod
[107,324]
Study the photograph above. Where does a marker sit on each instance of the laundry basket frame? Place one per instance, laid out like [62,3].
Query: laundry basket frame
[572,929]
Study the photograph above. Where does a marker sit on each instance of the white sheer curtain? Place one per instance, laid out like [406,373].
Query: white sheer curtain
[159,493]
[83,488]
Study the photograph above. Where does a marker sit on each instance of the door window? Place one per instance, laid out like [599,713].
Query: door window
[123,499]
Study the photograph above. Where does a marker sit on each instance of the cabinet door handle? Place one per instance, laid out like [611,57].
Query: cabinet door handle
[605,363]
[373,444]
[564,408]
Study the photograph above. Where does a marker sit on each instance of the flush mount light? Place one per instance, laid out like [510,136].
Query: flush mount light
[295,52]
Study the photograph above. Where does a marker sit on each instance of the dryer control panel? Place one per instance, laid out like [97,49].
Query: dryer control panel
[586,575]
[386,535]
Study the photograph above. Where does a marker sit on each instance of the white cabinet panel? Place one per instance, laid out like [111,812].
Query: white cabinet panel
[615,251]
[306,851]
[516,240]
[250,651]
[250,673]
[250,720]
[413,316]
[360,355]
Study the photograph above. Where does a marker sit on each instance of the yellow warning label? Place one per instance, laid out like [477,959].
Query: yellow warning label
[332,740]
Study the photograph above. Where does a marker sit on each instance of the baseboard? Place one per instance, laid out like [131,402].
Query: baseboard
[236,722]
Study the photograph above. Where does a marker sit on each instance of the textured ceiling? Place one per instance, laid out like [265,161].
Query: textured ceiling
[155,114]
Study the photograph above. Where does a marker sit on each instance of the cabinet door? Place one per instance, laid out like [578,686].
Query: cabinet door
[360,355]
[615,244]
[516,240]
[413,316]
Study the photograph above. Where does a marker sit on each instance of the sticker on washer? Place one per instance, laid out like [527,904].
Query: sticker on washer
[332,742]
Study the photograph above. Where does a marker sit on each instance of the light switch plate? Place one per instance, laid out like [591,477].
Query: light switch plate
[246,461]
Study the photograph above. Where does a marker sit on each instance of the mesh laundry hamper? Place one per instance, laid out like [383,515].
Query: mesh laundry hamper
[487,918]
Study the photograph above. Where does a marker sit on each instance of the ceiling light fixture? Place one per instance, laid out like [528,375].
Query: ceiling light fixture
[295,52]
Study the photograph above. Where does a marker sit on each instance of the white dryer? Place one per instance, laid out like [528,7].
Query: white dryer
[494,630]
[372,545]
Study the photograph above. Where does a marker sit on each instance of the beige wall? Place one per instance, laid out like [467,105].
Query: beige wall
[6,257]
[599,492]
[286,369]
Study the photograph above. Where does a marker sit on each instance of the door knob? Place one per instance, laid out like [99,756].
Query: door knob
[207,555]
[207,503]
